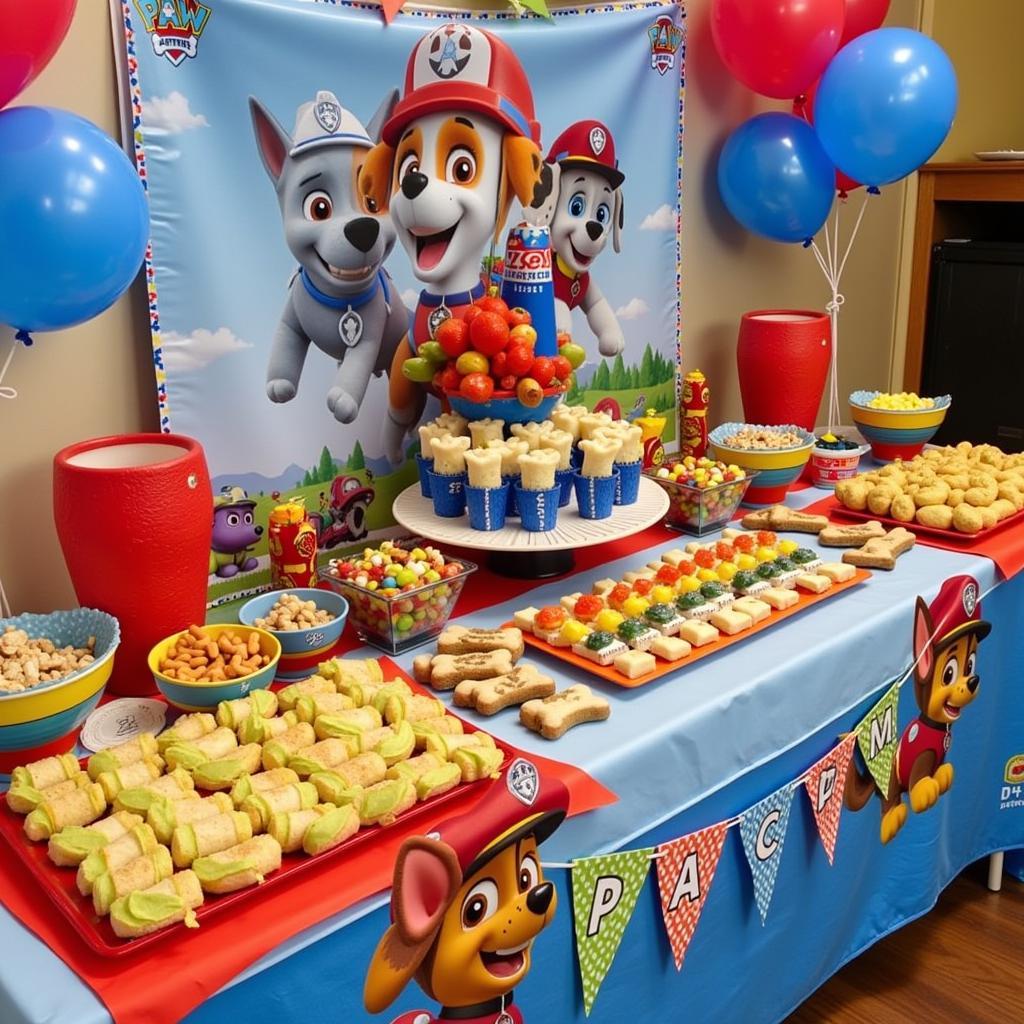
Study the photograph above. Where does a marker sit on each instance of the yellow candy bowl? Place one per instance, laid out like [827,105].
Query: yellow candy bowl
[896,433]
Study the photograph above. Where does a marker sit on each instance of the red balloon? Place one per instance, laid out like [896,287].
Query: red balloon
[803,106]
[30,33]
[862,16]
[777,47]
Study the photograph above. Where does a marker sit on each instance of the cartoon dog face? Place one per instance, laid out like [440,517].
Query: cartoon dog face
[945,678]
[449,183]
[336,233]
[586,212]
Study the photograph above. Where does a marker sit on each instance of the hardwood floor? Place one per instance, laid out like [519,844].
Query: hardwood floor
[960,964]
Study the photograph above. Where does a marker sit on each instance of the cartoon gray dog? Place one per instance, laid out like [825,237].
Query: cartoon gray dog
[341,299]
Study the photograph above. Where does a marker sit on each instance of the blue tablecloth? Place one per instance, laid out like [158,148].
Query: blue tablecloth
[683,753]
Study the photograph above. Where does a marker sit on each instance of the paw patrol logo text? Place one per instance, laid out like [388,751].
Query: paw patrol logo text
[174,26]
[665,37]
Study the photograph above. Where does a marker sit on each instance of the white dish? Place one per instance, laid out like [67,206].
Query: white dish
[1000,154]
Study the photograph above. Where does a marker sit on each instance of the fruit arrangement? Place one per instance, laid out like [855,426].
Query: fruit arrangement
[488,352]
[398,597]
[702,492]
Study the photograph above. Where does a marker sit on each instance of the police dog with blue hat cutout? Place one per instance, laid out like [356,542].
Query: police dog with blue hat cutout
[467,903]
[340,299]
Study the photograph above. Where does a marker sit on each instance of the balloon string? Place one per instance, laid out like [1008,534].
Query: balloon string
[8,391]
[5,605]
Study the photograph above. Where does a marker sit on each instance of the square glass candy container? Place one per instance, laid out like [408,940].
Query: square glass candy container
[700,510]
[402,621]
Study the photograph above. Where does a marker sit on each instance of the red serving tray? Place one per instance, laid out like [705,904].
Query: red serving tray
[954,536]
[612,675]
[58,884]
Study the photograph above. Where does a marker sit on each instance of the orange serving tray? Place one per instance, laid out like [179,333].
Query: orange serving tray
[610,674]
[58,884]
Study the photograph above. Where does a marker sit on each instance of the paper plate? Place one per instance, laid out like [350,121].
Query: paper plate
[121,720]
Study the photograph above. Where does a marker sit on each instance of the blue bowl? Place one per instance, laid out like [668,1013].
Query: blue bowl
[202,696]
[505,407]
[304,642]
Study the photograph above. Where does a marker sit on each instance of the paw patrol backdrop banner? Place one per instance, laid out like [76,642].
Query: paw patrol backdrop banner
[324,190]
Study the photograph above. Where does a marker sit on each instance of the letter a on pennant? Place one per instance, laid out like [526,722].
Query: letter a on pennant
[877,735]
[604,892]
[825,783]
[686,868]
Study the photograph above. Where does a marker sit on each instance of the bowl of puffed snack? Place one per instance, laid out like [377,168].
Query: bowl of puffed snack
[201,666]
[53,669]
[897,426]
[777,453]
[306,621]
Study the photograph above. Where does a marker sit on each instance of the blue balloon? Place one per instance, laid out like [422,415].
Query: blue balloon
[73,219]
[885,104]
[775,178]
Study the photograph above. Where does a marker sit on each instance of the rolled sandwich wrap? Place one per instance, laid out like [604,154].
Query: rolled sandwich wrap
[287,697]
[289,827]
[445,725]
[135,843]
[383,803]
[344,672]
[444,746]
[140,873]
[333,789]
[164,816]
[187,729]
[260,782]
[46,772]
[277,751]
[175,785]
[259,730]
[138,749]
[361,693]
[148,910]
[347,723]
[213,745]
[331,829]
[261,807]
[410,707]
[394,688]
[437,781]
[319,757]
[310,706]
[81,807]
[25,799]
[211,835]
[477,762]
[131,776]
[363,770]
[71,845]
[232,713]
[414,767]
[224,772]
[239,866]
[393,742]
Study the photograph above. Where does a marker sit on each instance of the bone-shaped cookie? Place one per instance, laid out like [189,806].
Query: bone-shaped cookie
[470,639]
[446,671]
[553,716]
[488,696]
[881,552]
[852,536]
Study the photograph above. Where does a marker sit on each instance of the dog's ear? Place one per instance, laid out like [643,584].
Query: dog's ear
[523,166]
[426,881]
[541,210]
[272,140]
[924,653]
[381,115]
[617,221]
[375,175]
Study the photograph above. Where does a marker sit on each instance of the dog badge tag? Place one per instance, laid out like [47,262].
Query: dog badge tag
[350,327]
[574,288]
[438,317]
[504,1018]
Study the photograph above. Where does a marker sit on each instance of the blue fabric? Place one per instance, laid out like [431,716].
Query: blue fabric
[684,753]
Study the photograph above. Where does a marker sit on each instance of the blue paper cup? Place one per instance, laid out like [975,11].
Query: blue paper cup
[538,509]
[449,494]
[564,478]
[512,509]
[487,506]
[576,458]
[425,467]
[627,487]
[595,495]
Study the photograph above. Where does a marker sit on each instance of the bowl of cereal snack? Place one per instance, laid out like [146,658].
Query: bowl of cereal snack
[897,426]
[53,669]
[399,596]
[307,622]
[201,666]
[777,453]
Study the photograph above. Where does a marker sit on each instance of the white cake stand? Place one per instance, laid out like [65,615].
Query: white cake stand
[514,551]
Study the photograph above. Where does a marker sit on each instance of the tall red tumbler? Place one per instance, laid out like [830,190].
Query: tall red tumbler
[783,356]
[134,517]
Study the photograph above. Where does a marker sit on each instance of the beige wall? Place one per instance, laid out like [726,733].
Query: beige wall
[983,39]
[96,379]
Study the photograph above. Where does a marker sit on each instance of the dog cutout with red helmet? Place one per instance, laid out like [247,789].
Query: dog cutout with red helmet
[462,142]
[581,204]
[467,903]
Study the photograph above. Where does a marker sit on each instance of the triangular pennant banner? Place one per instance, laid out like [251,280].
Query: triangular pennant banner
[604,892]
[877,735]
[686,868]
[390,9]
[763,830]
[825,783]
[538,7]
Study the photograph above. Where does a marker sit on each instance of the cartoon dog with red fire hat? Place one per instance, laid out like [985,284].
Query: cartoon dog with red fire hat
[946,637]
[459,146]
[467,903]
[581,204]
